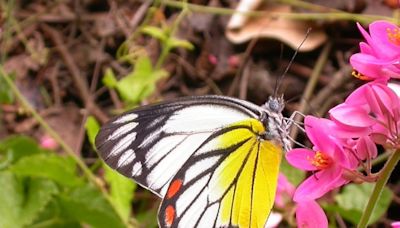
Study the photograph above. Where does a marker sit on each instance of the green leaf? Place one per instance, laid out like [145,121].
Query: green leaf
[51,166]
[109,79]
[92,128]
[22,200]
[121,189]
[177,43]
[354,198]
[87,205]
[11,199]
[6,94]
[16,147]
[155,32]
[294,175]
[39,194]
[141,83]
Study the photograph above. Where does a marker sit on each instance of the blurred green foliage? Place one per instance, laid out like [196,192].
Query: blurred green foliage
[351,202]
[137,85]
[294,176]
[6,94]
[121,188]
[353,199]
[40,188]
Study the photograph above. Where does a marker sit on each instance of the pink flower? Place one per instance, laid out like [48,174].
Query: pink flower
[371,110]
[310,215]
[365,149]
[284,191]
[327,159]
[47,142]
[395,224]
[379,57]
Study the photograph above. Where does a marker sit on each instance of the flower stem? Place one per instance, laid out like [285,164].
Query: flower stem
[380,184]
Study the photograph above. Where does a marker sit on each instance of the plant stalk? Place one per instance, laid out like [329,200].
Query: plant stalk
[378,188]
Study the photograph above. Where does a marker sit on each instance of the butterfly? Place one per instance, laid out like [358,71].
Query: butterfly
[214,160]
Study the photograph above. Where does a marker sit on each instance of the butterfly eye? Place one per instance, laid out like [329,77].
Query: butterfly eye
[274,105]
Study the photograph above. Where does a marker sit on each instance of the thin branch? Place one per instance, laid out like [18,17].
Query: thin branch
[79,81]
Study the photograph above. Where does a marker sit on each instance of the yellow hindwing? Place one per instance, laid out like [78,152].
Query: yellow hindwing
[247,179]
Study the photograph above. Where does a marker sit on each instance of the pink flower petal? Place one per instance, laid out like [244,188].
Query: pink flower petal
[364,64]
[386,99]
[351,115]
[301,159]
[284,191]
[310,215]
[318,131]
[380,54]
[380,38]
[319,183]
[366,49]
[395,224]
[366,148]
[365,34]
[343,131]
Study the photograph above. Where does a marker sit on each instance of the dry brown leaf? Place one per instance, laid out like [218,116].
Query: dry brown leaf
[292,32]
[20,65]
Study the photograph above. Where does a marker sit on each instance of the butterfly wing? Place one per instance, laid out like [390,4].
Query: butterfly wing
[150,144]
[229,181]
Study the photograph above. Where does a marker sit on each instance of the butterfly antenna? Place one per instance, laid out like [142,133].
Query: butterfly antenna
[280,79]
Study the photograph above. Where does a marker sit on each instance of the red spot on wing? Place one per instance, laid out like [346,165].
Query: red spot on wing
[169,215]
[174,188]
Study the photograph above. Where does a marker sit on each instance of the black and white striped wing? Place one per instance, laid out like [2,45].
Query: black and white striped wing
[150,144]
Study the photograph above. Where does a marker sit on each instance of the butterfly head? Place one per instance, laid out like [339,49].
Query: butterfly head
[275,104]
[275,122]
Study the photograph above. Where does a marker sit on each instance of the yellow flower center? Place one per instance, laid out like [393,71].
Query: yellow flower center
[393,35]
[321,160]
[359,75]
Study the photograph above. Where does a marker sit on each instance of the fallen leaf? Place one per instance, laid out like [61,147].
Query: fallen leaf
[291,32]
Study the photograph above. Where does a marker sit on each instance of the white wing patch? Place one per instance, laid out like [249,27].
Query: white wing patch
[192,214]
[126,158]
[187,198]
[174,160]
[163,147]
[123,144]
[197,168]
[137,169]
[126,118]
[202,118]
[209,216]
[122,130]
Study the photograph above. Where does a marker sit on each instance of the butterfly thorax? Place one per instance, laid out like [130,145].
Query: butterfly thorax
[274,121]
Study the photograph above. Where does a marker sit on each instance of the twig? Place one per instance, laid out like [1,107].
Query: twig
[244,82]
[297,16]
[310,87]
[80,83]
[139,15]
[338,80]
[54,70]
[93,83]
[245,60]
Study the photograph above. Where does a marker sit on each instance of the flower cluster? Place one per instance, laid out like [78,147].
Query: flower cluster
[348,138]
